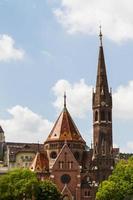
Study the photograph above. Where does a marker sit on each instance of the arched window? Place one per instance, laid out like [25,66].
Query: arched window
[86,193]
[102,115]
[70,164]
[96,116]
[109,116]
[77,155]
[61,164]
[53,154]
[96,149]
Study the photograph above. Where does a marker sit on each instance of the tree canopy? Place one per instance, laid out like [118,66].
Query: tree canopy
[23,184]
[119,186]
[48,191]
[17,184]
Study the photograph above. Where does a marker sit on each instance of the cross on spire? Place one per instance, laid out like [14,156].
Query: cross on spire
[100,35]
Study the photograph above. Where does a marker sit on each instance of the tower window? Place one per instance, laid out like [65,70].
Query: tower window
[53,154]
[96,116]
[87,193]
[109,116]
[95,147]
[77,155]
[102,115]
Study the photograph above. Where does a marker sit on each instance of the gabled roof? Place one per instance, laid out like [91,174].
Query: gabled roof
[65,129]
[66,155]
[40,163]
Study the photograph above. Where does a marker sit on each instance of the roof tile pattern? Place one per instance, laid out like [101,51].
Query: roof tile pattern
[40,163]
[65,129]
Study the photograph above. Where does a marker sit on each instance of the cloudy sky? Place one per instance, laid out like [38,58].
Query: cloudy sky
[51,46]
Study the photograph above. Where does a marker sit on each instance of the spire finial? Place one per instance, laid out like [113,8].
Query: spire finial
[100,35]
[64,99]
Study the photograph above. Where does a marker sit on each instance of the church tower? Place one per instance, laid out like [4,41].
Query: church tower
[64,130]
[102,119]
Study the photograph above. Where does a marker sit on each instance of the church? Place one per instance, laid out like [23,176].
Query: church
[65,157]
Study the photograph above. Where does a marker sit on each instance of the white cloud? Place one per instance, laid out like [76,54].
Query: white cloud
[7,49]
[25,126]
[123,101]
[84,16]
[79,97]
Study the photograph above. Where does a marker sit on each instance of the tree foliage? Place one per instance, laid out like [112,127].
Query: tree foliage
[17,184]
[48,191]
[119,186]
[22,184]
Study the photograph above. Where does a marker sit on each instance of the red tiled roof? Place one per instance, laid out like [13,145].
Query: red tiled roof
[40,163]
[65,129]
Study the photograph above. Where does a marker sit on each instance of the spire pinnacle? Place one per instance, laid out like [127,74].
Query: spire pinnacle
[64,99]
[100,35]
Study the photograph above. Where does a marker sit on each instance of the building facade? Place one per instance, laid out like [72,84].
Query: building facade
[65,158]
[76,169]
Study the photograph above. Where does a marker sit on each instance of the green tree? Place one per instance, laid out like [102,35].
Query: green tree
[17,184]
[119,186]
[48,191]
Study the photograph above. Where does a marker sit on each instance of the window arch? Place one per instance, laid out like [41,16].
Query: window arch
[86,193]
[96,116]
[109,116]
[102,115]
[53,154]
[61,164]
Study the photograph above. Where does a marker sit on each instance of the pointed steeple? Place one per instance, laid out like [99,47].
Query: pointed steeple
[65,128]
[102,108]
[101,82]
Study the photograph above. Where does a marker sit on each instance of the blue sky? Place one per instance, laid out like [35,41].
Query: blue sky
[47,47]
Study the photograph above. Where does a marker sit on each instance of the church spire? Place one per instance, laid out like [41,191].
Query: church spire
[64,99]
[102,108]
[101,82]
